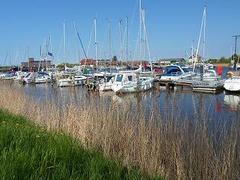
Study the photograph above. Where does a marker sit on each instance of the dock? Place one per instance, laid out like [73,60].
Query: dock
[195,85]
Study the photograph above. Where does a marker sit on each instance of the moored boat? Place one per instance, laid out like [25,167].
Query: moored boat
[129,82]
[42,78]
[106,83]
[175,72]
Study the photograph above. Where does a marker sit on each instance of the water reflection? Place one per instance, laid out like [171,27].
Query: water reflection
[232,101]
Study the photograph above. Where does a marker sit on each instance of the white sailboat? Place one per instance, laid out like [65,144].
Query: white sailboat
[65,79]
[208,73]
[233,82]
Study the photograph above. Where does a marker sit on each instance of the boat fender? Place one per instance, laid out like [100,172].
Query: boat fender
[230,74]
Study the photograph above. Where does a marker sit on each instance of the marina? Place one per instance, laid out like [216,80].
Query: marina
[168,98]
[120,90]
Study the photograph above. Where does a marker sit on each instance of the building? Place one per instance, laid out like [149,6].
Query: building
[92,62]
[33,65]
[168,61]
[88,62]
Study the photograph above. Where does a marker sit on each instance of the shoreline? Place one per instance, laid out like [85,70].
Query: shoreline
[28,151]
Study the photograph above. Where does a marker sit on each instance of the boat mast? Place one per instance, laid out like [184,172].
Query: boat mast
[121,40]
[200,37]
[140,29]
[96,43]
[110,39]
[146,40]
[127,38]
[144,34]
[204,33]
[235,52]
[64,44]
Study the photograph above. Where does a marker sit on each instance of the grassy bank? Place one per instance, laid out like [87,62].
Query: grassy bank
[176,147]
[29,152]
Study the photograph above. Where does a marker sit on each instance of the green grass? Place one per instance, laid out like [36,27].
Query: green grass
[30,152]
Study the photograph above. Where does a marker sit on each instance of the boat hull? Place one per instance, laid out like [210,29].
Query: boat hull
[133,87]
[232,84]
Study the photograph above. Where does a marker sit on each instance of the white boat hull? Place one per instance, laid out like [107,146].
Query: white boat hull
[105,86]
[133,87]
[42,80]
[79,80]
[232,84]
[175,78]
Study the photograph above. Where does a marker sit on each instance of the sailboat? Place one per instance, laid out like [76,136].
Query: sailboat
[233,82]
[65,78]
[42,75]
[208,80]
[107,76]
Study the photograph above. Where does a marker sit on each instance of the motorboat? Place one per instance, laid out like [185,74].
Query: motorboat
[65,81]
[129,82]
[29,78]
[78,80]
[42,77]
[20,75]
[8,76]
[106,83]
[233,82]
[175,72]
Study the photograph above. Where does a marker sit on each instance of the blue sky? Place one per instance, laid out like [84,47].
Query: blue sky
[172,25]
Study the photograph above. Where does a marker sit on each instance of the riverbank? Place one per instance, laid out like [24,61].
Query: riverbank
[174,145]
[31,152]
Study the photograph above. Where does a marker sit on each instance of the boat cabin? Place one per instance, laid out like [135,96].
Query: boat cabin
[126,77]
[173,70]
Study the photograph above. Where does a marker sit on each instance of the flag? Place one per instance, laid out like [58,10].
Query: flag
[50,54]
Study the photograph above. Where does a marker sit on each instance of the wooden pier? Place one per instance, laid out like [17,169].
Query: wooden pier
[196,86]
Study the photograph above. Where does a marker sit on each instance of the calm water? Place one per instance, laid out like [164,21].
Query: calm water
[221,106]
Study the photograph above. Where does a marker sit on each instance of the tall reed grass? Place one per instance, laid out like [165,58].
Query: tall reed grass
[175,147]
